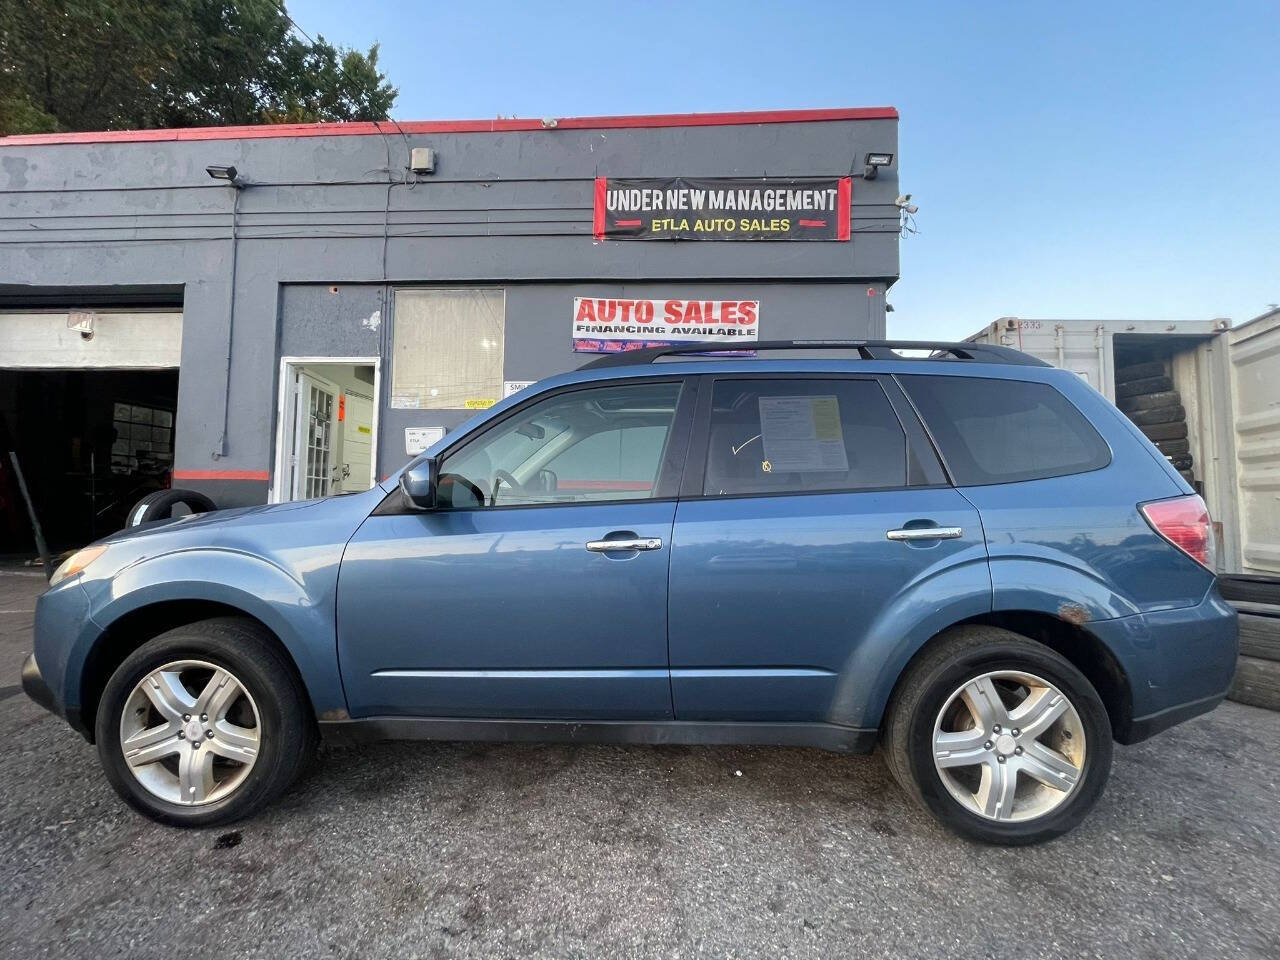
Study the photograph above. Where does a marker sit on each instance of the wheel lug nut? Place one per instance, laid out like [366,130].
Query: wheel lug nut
[996,728]
[186,716]
[1016,732]
[208,735]
[1000,757]
[182,735]
[1018,751]
[987,745]
[204,718]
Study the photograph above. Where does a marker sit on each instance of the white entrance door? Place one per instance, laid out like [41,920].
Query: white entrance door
[357,444]
[315,419]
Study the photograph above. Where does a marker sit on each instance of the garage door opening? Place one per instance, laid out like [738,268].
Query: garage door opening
[327,434]
[91,443]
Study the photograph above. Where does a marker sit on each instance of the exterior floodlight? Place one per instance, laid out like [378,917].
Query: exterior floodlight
[874,162]
[221,173]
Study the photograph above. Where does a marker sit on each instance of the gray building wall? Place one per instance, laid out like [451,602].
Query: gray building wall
[327,226]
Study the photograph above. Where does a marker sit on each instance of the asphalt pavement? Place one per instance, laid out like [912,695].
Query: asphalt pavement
[479,850]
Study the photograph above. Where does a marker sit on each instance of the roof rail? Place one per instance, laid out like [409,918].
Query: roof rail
[867,350]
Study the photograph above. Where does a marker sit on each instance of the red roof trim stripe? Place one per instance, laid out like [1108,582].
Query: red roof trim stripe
[647,121]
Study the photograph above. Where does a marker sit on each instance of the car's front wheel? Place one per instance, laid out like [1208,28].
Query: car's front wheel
[1001,738]
[204,724]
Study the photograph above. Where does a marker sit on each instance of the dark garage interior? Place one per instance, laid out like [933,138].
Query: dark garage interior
[90,444]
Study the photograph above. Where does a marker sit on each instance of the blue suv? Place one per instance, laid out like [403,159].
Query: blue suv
[969,558]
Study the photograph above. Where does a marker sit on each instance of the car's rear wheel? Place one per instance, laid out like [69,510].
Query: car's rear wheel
[204,724]
[1001,738]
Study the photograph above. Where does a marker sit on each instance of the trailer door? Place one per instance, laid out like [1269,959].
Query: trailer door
[1255,379]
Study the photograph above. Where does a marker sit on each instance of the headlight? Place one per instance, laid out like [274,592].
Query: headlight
[76,563]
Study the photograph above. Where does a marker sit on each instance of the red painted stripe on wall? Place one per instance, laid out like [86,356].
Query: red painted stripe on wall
[639,122]
[221,475]
[844,200]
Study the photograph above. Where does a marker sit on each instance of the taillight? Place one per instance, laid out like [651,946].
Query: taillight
[1184,522]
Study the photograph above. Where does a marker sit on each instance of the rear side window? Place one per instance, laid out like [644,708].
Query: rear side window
[802,436]
[1003,431]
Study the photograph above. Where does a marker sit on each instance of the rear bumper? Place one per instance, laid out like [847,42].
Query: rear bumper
[33,685]
[1142,728]
[1180,664]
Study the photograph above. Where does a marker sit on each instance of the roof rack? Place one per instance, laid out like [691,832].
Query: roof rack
[867,350]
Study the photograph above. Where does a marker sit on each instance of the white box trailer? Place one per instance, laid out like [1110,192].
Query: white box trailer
[1207,393]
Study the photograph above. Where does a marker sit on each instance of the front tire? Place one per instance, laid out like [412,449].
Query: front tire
[204,724]
[999,737]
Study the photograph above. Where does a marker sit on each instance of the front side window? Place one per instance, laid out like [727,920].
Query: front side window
[1005,431]
[601,443]
[802,436]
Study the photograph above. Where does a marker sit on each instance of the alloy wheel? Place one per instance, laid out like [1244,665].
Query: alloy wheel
[190,732]
[1009,746]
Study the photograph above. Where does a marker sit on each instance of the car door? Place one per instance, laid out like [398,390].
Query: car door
[817,513]
[538,587]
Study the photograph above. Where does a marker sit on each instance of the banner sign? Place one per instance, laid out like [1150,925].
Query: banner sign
[683,208]
[611,326]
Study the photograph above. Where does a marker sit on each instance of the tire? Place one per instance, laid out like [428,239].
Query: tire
[1140,371]
[1158,415]
[1165,431]
[1174,448]
[1260,637]
[1148,385]
[159,505]
[1250,588]
[957,657]
[1257,683]
[1166,398]
[275,711]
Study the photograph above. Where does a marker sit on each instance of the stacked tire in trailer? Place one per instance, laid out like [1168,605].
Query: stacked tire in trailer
[1258,668]
[1145,392]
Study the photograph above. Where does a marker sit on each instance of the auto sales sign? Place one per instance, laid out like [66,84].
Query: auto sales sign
[684,208]
[603,325]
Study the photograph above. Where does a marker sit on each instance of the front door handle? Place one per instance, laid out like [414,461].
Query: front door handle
[624,546]
[912,534]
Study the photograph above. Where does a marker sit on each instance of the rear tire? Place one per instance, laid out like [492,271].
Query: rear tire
[919,710]
[253,755]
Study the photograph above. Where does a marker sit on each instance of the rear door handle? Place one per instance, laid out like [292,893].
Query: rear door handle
[624,546]
[913,534]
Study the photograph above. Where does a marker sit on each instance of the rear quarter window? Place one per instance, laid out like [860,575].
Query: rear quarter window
[1004,431]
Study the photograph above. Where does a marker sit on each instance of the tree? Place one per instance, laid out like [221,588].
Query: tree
[127,64]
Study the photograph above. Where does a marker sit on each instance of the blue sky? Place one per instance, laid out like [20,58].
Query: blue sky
[1069,159]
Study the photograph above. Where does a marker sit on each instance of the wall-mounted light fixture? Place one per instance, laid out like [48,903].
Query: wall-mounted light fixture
[874,162]
[219,172]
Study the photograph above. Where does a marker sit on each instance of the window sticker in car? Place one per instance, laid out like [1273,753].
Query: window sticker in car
[802,433]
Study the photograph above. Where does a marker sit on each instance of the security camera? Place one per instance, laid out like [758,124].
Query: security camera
[904,203]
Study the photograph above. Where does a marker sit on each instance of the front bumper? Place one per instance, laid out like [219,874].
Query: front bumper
[33,685]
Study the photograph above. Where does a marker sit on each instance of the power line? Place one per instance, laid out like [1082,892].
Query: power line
[294,23]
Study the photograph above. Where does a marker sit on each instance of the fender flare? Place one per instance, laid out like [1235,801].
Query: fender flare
[869,676]
[240,581]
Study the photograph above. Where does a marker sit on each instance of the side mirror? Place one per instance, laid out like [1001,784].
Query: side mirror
[418,485]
